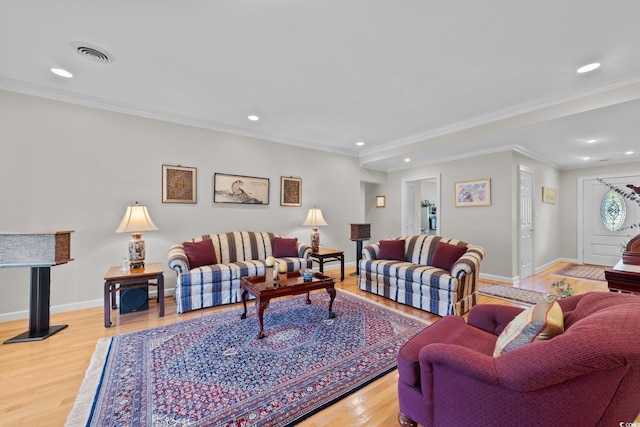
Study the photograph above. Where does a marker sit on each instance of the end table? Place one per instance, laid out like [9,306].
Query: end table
[323,255]
[151,275]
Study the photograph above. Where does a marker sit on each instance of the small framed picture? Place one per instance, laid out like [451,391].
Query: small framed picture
[549,195]
[178,184]
[380,201]
[290,191]
[473,193]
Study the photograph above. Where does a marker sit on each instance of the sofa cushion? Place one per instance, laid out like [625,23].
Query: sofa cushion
[446,255]
[543,321]
[392,249]
[284,247]
[200,253]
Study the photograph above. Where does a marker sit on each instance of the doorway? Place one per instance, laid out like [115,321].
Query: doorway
[526,224]
[420,205]
[597,243]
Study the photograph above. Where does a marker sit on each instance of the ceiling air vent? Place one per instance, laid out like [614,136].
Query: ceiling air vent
[92,52]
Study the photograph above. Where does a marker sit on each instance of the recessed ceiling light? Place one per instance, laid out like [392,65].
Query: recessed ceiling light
[588,67]
[359,143]
[628,152]
[591,141]
[253,118]
[407,159]
[586,158]
[62,73]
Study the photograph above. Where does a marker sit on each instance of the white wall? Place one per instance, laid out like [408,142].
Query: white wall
[74,168]
[489,227]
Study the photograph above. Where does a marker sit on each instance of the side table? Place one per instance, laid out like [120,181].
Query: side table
[323,255]
[151,275]
[623,277]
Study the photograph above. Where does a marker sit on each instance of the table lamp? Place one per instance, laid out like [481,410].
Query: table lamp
[315,220]
[136,220]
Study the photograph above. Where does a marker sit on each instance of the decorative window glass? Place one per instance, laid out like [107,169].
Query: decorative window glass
[613,210]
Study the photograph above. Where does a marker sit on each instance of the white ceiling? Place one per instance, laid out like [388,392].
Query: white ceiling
[428,80]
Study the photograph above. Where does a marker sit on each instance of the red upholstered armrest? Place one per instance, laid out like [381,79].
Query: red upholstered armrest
[492,318]
[462,360]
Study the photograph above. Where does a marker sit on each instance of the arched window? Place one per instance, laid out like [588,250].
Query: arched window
[613,210]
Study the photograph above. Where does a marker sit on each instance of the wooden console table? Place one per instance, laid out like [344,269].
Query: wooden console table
[623,277]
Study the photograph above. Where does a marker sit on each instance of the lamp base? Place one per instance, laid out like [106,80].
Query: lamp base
[136,265]
[315,240]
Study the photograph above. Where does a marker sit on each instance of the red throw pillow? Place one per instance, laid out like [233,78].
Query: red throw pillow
[284,247]
[392,249]
[200,253]
[446,255]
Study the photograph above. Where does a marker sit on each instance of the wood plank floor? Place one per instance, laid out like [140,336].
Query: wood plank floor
[39,380]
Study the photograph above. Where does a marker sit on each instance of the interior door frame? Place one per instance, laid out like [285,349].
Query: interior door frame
[404,202]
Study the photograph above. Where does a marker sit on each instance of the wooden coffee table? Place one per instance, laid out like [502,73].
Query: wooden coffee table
[266,290]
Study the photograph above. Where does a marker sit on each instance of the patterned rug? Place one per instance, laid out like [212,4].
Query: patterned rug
[510,293]
[582,271]
[212,371]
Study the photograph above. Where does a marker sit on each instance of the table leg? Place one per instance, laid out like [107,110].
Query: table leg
[112,291]
[308,301]
[161,294]
[342,267]
[262,306]
[244,304]
[107,307]
[332,296]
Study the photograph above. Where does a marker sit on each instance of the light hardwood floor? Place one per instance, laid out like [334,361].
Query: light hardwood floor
[39,380]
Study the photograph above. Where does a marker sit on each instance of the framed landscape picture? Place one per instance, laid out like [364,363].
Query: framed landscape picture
[178,184]
[240,189]
[290,191]
[473,193]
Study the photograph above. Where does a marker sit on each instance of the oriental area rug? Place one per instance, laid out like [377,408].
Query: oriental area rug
[213,371]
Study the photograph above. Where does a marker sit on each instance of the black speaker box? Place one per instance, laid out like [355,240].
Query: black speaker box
[136,299]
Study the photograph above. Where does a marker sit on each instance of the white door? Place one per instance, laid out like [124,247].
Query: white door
[602,246]
[526,222]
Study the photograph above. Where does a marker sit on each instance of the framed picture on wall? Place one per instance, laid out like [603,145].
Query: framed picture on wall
[290,191]
[381,201]
[240,189]
[549,195]
[178,184]
[473,193]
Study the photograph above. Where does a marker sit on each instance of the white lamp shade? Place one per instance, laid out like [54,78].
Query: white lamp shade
[136,220]
[314,218]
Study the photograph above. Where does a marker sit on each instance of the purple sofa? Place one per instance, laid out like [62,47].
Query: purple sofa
[587,376]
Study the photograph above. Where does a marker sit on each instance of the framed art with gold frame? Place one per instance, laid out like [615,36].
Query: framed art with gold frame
[549,195]
[178,184]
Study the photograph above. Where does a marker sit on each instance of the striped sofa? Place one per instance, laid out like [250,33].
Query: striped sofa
[239,254]
[416,282]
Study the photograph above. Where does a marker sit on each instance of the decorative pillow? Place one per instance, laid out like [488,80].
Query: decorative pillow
[446,255]
[541,322]
[284,247]
[200,253]
[392,249]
